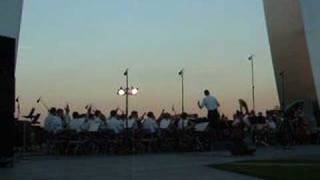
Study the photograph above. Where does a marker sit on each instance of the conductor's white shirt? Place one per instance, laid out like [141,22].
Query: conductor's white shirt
[210,102]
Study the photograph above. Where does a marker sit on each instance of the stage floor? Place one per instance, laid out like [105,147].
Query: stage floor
[148,166]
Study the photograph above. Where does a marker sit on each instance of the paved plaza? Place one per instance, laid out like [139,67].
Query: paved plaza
[149,166]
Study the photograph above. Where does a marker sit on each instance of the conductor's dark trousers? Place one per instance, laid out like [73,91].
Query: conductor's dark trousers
[213,117]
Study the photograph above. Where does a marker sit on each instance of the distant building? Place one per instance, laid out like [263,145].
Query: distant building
[294,35]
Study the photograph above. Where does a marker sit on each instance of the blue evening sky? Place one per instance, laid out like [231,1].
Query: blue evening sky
[76,51]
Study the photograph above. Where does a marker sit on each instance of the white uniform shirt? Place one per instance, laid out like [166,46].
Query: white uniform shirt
[150,125]
[94,124]
[165,123]
[115,125]
[85,125]
[75,124]
[53,124]
[183,123]
[57,124]
[131,123]
[210,102]
[48,122]
[67,119]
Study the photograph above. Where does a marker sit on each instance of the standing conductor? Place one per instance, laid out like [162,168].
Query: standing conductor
[212,105]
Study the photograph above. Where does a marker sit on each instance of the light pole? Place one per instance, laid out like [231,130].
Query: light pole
[181,73]
[126,73]
[251,59]
[127,92]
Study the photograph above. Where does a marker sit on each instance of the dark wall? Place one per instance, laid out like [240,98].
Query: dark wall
[7,95]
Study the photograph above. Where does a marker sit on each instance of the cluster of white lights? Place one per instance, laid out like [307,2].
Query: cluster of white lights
[130,91]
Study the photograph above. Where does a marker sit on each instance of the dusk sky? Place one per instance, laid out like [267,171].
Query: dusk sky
[76,52]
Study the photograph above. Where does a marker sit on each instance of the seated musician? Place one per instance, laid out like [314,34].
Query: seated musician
[261,122]
[271,123]
[114,124]
[165,121]
[149,124]
[236,119]
[64,118]
[76,122]
[49,118]
[57,125]
[85,126]
[252,118]
[238,136]
[133,120]
[103,121]
[122,117]
[53,123]
[95,121]
[67,117]
[83,118]
[103,125]
[184,123]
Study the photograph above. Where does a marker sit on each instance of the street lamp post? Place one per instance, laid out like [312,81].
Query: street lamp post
[127,92]
[126,73]
[251,59]
[181,73]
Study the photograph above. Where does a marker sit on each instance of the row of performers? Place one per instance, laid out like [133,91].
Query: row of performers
[58,120]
